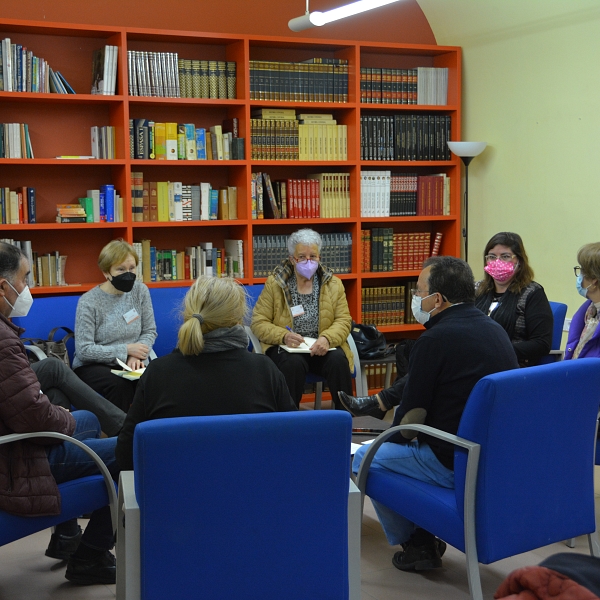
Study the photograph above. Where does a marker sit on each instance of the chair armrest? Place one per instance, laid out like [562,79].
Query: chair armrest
[128,540]
[108,480]
[358,382]
[256,347]
[41,355]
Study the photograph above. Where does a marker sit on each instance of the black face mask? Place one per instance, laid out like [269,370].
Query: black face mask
[123,282]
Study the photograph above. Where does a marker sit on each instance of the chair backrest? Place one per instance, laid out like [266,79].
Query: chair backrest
[536,427]
[244,506]
[559,312]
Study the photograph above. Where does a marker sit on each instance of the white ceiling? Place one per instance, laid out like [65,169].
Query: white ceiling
[472,22]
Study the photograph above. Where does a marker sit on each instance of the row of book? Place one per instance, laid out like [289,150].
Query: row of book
[103,141]
[383,250]
[376,374]
[21,71]
[104,71]
[156,264]
[423,85]
[270,250]
[321,195]
[17,206]
[169,201]
[15,141]
[277,134]
[379,309]
[313,80]
[184,141]
[387,194]
[164,74]
[405,137]
[384,305]
[103,205]
[45,268]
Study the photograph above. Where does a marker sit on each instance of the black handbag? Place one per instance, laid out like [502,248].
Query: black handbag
[370,342]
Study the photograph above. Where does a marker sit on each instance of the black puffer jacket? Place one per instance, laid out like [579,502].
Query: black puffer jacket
[26,483]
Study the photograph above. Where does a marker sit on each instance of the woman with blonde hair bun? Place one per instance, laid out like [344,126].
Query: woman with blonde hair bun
[202,376]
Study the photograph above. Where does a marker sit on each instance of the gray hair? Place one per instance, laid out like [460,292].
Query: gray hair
[10,260]
[306,237]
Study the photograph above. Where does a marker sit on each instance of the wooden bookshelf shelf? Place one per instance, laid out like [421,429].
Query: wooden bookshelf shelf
[60,125]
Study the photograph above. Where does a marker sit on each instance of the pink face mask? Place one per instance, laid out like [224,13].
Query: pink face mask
[501,271]
[307,268]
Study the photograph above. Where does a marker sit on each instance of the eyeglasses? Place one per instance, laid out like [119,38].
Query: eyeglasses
[416,292]
[577,271]
[303,259]
[502,257]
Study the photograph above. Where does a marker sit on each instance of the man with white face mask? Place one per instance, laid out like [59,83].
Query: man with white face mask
[459,347]
[30,471]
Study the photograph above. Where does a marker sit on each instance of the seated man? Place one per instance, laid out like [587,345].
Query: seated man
[459,347]
[30,470]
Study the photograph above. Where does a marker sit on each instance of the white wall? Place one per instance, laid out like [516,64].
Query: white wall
[531,89]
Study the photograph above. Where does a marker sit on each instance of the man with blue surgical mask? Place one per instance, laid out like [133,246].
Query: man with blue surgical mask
[459,347]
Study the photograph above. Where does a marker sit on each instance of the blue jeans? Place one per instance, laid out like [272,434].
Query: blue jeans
[68,461]
[414,459]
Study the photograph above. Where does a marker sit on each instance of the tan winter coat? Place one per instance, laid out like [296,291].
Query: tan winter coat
[272,312]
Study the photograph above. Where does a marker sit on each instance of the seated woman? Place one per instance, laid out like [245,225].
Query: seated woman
[211,371]
[509,295]
[303,298]
[114,320]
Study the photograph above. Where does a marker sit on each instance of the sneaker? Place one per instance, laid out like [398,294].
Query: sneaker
[62,546]
[419,558]
[100,570]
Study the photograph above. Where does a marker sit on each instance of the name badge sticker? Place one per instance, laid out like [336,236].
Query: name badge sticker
[131,315]
[297,310]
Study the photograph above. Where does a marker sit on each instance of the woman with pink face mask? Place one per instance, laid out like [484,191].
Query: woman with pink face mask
[303,299]
[508,294]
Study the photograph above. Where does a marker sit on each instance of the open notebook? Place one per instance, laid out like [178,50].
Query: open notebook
[303,348]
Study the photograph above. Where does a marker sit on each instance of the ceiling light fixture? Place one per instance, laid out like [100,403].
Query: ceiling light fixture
[317,19]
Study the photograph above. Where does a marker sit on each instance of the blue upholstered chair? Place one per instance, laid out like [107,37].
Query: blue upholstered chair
[524,445]
[78,497]
[559,312]
[240,506]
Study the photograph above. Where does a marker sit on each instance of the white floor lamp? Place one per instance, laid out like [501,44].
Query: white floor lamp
[467,152]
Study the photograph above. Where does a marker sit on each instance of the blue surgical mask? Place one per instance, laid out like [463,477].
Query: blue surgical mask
[582,291]
[422,316]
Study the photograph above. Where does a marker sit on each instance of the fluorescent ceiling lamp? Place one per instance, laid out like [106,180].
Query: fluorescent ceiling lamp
[317,19]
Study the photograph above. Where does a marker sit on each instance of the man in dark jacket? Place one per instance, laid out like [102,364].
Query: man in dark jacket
[30,470]
[459,347]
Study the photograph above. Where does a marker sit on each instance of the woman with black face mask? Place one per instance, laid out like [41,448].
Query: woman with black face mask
[114,320]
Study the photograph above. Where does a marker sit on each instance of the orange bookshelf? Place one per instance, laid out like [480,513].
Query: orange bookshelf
[60,125]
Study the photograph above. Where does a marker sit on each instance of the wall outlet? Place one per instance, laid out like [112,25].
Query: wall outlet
[567,325]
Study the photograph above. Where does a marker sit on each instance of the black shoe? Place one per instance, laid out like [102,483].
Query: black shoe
[101,570]
[62,546]
[361,407]
[419,558]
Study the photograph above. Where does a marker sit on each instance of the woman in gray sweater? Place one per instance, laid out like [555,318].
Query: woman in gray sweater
[114,320]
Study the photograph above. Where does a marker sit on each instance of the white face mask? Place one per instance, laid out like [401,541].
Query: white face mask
[419,314]
[22,304]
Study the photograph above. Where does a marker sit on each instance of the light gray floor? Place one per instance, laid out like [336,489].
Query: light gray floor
[26,574]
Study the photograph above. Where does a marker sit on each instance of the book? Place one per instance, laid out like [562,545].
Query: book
[190,142]
[304,348]
[98,67]
[171,140]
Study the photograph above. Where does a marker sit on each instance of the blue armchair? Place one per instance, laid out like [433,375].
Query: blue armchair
[559,312]
[254,506]
[525,442]
[78,497]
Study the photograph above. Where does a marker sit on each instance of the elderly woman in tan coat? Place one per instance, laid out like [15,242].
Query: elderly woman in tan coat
[303,307]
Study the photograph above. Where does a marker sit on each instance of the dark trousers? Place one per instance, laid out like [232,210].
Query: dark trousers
[393,395]
[64,388]
[116,389]
[67,462]
[333,367]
